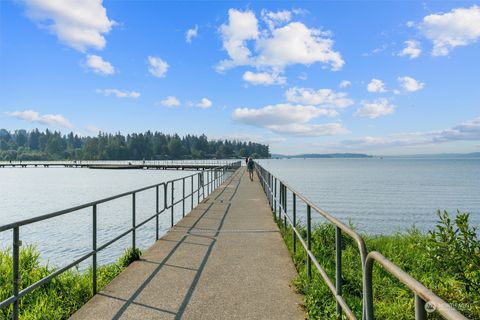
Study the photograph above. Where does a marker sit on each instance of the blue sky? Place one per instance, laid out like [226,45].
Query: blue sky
[379,77]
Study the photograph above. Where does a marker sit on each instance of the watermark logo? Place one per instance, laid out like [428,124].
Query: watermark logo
[430,307]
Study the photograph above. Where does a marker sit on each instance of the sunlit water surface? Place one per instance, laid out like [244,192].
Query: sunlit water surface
[385,195]
[30,192]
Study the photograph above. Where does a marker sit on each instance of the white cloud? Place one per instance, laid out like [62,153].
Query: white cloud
[170,101]
[412,49]
[277,47]
[289,119]
[91,129]
[323,97]
[98,65]
[191,33]
[118,93]
[35,117]
[467,131]
[410,24]
[78,24]
[345,84]
[310,130]
[280,114]
[374,109]
[264,78]
[410,84]
[273,19]
[157,67]
[295,43]
[242,26]
[204,103]
[459,27]
[376,85]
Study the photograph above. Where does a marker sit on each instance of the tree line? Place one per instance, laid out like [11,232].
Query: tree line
[53,145]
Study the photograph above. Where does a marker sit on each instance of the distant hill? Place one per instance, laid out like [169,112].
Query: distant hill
[322,155]
[440,156]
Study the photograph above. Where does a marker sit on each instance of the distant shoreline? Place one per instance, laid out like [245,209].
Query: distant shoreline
[473,155]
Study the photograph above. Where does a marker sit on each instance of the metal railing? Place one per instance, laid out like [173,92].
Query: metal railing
[207,182]
[277,190]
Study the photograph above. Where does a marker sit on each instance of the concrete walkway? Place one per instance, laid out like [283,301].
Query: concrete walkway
[225,260]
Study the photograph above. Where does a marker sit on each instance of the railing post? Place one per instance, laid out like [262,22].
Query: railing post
[133,221]
[191,181]
[309,241]
[198,188]
[294,209]
[420,312]
[183,197]
[275,196]
[173,201]
[285,206]
[203,184]
[280,198]
[338,262]
[270,184]
[16,271]
[165,204]
[158,209]
[94,248]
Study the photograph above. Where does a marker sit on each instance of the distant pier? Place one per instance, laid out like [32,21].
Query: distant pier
[121,165]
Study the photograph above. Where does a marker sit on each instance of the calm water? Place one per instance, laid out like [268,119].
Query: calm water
[385,195]
[29,192]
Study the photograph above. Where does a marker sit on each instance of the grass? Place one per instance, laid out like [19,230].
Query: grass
[61,297]
[446,260]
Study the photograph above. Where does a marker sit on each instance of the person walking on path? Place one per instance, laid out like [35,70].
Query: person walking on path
[250,165]
[246,161]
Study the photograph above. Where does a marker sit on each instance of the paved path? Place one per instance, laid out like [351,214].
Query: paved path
[225,260]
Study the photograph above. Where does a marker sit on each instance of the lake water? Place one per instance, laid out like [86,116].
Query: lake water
[29,192]
[377,195]
[385,195]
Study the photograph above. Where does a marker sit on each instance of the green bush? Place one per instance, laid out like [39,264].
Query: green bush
[446,260]
[455,248]
[63,295]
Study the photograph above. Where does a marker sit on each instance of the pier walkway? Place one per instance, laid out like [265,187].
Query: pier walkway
[224,260]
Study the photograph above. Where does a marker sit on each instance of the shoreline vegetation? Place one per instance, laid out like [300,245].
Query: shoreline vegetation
[63,295]
[446,260]
[53,145]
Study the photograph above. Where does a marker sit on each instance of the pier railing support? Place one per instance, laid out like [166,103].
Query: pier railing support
[133,222]
[309,241]
[338,272]
[173,204]
[294,212]
[16,271]
[183,197]
[157,210]
[94,249]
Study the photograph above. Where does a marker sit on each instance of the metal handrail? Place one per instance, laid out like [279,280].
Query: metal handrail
[422,294]
[214,178]
[269,184]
